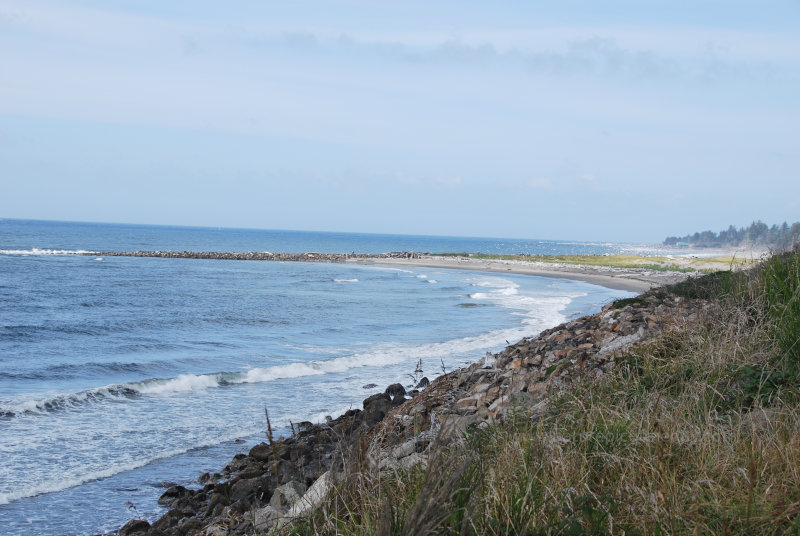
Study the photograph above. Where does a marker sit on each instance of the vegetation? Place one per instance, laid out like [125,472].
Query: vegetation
[660,263]
[694,432]
[781,237]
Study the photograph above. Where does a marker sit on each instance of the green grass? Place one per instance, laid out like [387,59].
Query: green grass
[694,432]
[657,263]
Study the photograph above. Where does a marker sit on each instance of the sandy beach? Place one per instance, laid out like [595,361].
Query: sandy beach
[630,279]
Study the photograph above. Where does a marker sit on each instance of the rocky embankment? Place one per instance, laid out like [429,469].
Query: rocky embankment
[257,255]
[278,482]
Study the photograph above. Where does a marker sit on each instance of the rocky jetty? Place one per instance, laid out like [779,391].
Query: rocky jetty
[258,255]
[280,481]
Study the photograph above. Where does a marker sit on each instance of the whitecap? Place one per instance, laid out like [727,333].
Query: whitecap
[37,251]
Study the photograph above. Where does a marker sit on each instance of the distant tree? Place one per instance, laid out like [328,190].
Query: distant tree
[757,234]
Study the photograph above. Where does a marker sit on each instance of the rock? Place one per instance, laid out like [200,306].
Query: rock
[190,526]
[134,527]
[287,495]
[369,386]
[313,497]
[375,408]
[173,493]
[423,383]
[216,530]
[397,393]
[265,518]
[245,489]
[405,449]
[261,452]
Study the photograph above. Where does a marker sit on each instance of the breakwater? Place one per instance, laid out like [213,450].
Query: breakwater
[257,255]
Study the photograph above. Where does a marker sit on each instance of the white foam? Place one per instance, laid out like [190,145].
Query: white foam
[68,400]
[180,384]
[538,311]
[37,251]
[69,479]
[422,276]
[432,281]
[354,280]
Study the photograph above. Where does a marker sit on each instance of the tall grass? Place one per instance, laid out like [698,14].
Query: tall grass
[694,432]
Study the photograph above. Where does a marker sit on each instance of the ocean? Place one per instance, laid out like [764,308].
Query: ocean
[120,376]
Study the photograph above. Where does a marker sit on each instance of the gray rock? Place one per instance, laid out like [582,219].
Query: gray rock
[286,495]
[265,518]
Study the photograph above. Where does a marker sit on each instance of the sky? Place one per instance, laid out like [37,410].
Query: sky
[622,121]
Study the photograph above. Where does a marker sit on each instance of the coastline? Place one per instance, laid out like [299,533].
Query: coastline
[278,483]
[630,279]
[633,279]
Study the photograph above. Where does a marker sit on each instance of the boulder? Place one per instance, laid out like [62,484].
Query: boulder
[173,493]
[134,527]
[265,518]
[376,407]
[287,495]
[397,393]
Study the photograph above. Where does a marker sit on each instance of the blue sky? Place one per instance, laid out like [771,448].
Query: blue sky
[582,120]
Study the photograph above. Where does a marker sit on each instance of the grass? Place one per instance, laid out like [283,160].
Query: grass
[694,432]
[658,263]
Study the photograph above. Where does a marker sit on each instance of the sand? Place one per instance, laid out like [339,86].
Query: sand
[630,279]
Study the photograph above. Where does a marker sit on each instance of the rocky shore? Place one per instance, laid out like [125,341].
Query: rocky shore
[282,480]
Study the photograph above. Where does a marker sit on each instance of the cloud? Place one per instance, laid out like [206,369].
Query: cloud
[594,55]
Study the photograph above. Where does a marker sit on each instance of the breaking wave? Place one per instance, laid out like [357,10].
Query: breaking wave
[37,251]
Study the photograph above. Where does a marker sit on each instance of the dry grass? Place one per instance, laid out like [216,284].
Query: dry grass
[695,432]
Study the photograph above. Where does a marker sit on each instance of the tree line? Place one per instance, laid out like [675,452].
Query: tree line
[779,237]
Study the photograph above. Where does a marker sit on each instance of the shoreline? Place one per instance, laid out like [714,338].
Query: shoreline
[632,279]
[629,279]
[278,483]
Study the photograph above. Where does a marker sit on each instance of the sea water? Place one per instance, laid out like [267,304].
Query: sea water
[120,376]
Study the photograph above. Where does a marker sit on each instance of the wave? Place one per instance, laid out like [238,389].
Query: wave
[537,311]
[345,280]
[69,480]
[37,251]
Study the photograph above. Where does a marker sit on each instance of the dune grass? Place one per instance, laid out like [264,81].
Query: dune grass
[659,263]
[694,432]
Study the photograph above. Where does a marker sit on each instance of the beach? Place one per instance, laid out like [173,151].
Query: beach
[629,279]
